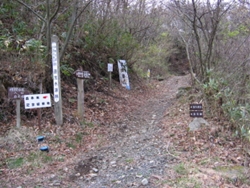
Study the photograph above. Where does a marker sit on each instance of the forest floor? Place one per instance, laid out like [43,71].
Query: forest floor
[130,138]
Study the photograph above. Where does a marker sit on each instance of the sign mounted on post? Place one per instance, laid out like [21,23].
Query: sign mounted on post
[110,67]
[123,73]
[110,70]
[196,110]
[82,74]
[37,101]
[17,92]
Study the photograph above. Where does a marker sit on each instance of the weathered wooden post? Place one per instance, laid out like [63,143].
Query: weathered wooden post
[56,80]
[80,96]
[80,75]
[110,70]
[18,117]
[37,101]
[39,110]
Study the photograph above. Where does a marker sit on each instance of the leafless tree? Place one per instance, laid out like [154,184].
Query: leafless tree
[197,23]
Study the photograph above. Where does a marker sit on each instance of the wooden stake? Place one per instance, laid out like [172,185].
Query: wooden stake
[80,97]
[18,117]
[39,110]
[110,80]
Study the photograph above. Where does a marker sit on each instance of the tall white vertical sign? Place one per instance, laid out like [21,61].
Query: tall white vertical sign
[56,80]
[123,73]
[55,71]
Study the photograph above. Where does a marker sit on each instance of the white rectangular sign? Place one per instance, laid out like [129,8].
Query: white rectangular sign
[110,67]
[37,101]
[123,73]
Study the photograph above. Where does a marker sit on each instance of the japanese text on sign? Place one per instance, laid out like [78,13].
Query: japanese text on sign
[82,74]
[37,101]
[55,71]
[123,73]
[17,92]
[196,110]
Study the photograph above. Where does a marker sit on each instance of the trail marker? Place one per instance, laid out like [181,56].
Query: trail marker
[110,67]
[81,75]
[37,101]
[56,80]
[123,73]
[110,70]
[196,110]
[148,75]
[17,94]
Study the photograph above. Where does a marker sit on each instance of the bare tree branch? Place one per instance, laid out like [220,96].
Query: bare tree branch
[75,16]
[28,7]
[56,11]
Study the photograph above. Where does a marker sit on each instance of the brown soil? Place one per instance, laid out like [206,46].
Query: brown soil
[129,138]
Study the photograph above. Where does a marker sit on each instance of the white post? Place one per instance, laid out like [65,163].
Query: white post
[56,80]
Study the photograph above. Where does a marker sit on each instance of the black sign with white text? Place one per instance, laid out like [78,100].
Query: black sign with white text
[196,110]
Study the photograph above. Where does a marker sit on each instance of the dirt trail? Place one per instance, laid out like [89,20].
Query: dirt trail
[137,155]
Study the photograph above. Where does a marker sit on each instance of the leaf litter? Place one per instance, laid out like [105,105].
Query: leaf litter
[204,158]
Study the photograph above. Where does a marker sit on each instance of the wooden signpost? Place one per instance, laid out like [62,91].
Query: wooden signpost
[110,70]
[17,93]
[81,75]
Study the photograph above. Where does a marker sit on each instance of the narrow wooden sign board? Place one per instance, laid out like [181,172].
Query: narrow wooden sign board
[82,74]
[17,92]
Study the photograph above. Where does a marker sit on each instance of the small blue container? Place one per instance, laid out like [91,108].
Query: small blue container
[40,138]
[44,148]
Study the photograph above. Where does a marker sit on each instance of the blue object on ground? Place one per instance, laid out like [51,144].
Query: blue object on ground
[40,138]
[127,87]
[44,148]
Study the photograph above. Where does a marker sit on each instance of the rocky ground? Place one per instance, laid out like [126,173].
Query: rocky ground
[137,155]
[150,146]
